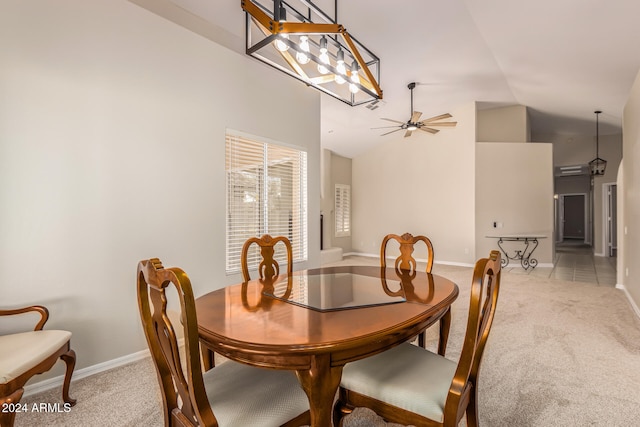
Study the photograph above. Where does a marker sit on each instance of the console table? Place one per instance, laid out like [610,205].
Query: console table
[529,244]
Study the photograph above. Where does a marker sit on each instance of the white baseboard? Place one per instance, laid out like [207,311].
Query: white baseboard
[50,383]
[457,264]
[362,254]
[634,306]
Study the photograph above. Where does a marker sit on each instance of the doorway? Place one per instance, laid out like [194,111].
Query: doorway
[610,218]
[573,218]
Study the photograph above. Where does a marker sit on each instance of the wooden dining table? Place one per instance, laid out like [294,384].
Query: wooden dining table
[315,321]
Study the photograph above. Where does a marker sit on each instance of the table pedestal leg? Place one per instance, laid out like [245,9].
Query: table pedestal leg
[320,383]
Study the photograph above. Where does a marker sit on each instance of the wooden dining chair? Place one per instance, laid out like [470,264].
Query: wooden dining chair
[25,354]
[410,385]
[269,267]
[406,265]
[230,394]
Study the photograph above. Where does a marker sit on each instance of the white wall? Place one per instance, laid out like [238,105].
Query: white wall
[422,185]
[514,187]
[631,193]
[112,124]
[504,124]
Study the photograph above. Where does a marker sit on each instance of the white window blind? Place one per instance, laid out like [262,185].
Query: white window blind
[342,210]
[266,194]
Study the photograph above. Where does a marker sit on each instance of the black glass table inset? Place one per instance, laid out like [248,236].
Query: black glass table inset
[334,291]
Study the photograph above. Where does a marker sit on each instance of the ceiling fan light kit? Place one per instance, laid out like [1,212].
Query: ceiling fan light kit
[414,122]
[299,39]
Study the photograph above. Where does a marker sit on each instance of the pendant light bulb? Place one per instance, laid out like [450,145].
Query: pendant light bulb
[324,56]
[302,56]
[354,72]
[279,43]
[340,63]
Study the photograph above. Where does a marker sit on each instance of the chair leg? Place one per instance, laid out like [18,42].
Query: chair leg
[422,340]
[70,360]
[472,409]
[7,418]
[445,325]
[339,411]
[208,358]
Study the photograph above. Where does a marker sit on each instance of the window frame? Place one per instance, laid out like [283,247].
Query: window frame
[247,155]
[342,214]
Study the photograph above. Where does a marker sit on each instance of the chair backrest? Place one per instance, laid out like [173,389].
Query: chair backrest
[485,287]
[183,393]
[269,267]
[405,260]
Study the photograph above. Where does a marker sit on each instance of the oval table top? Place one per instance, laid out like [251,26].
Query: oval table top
[271,323]
[242,318]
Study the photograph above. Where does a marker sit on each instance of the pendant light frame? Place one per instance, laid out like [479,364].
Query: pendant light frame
[284,23]
[597,166]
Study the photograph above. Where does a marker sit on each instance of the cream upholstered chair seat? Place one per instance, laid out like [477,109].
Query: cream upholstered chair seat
[231,394]
[410,385]
[25,354]
[242,395]
[23,351]
[385,377]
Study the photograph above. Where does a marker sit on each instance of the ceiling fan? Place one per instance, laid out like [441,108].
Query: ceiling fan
[414,122]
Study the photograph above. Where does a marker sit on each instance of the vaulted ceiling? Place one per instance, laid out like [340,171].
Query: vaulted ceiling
[562,59]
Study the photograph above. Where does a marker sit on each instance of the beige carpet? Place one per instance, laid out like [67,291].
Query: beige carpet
[560,354]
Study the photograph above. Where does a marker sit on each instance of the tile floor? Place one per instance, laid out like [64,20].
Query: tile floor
[575,262]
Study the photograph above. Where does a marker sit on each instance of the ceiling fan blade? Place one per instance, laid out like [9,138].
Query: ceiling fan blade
[391,132]
[391,120]
[425,129]
[449,124]
[415,116]
[436,118]
[407,134]
[386,127]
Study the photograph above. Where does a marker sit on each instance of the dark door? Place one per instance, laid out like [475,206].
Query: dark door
[574,226]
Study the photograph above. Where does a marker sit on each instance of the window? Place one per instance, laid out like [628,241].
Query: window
[343,210]
[266,194]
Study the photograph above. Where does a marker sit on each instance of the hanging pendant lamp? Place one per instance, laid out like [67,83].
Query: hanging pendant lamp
[597,165]
[299,39]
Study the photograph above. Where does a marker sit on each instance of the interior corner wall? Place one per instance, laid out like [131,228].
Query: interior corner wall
[335,170]
[504,124]
[620,209]
[422,185]
[341,171]
[631,193]
[514,188]
[112,150]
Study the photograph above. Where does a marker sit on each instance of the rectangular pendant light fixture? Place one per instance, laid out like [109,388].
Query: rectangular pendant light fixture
[307,44]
